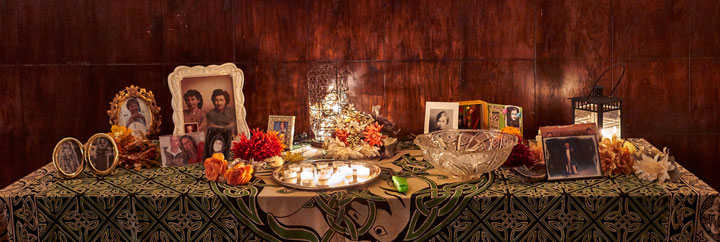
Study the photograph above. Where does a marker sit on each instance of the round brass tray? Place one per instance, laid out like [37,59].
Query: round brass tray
[317,184]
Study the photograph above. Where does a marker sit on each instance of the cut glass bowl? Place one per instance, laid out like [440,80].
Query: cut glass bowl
[466,153]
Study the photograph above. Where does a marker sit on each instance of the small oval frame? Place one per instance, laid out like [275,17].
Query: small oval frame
[115,157]
[149,99]
[82,158]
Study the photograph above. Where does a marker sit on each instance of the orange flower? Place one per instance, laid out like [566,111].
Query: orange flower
[372,134]
[239,174]
[512,130]
[215,166]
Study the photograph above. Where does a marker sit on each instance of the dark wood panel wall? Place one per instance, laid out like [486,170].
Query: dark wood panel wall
[61,62]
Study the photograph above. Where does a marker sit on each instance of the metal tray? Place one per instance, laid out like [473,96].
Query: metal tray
[321,184]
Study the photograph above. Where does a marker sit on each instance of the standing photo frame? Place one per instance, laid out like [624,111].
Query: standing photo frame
[284,125]
[69,157]
[210,96]
[571,157]
[136,109]
[102,154]
[441,115]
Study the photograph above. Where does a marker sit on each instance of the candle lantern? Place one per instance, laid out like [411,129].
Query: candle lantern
[327,96]
[604,111]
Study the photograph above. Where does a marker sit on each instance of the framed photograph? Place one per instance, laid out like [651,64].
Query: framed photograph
[441,115]
[136,109]
[571,157]
[191,127]
[218,140]
[284,125]
[69,157]
[184,149]
[472,114]
[102,154]
[210,96]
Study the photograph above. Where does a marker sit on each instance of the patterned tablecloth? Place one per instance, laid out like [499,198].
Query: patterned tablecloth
[178,204]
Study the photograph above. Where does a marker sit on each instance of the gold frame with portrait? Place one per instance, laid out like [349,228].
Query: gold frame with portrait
[228,69]
[115,151]
[82,158]
[147,96]
[291,128]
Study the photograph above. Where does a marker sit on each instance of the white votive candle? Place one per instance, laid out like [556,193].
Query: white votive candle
[347,173]
[363,172]
[306,178]
[289,174]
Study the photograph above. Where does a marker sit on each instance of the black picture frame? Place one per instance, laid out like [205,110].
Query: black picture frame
[572,157]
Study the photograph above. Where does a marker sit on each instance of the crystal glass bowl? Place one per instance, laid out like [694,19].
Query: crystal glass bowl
[466,153]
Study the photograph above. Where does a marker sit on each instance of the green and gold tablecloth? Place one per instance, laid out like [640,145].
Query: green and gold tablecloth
[178,204]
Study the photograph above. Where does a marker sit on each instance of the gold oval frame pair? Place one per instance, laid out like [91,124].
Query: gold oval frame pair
[85,154]
[132,91]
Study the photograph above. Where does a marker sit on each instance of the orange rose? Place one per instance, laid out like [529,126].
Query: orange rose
[239,174]
[215,166]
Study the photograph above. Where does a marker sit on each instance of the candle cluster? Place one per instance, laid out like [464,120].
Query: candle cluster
[326,174]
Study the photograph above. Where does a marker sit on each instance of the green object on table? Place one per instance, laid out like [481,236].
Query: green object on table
[400,183]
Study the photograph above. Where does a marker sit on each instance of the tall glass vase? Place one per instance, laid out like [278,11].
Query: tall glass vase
[327,96]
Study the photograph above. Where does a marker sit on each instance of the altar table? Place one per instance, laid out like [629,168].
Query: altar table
[179,204]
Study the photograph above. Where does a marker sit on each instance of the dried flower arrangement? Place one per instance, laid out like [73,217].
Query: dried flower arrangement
[134,154]
[357,135]
[616,157]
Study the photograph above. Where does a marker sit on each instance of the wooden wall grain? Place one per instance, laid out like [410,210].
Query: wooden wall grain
[61,62]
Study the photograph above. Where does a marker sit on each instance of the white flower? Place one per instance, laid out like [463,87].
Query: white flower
[275,161]
[653,168]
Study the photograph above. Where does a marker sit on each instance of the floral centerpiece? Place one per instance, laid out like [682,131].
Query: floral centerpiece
[134,153]
[261,146]
[357,135]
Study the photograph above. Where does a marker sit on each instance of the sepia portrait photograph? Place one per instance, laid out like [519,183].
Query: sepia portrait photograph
[68,157]
[180,150]
[571,157]
[441,116]
[101,153]
[208,96]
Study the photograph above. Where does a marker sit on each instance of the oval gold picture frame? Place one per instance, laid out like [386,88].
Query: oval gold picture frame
[57,151]
[116,153]
[153,127]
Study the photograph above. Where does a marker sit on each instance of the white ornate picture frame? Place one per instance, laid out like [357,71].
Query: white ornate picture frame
[228,69]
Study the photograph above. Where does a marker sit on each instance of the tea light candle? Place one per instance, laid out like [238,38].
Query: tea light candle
[347,173]
[324,176]
[289,174]
[294,167]
[363,172]
[356,165]
[306,178]
[308,167]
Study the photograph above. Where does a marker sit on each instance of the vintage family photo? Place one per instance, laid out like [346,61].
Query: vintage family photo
[284,125]
[135,115]
[180,150]
[441,116]
[69,157]
[208,102]
[571,157]
[218,140]
[101,153]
